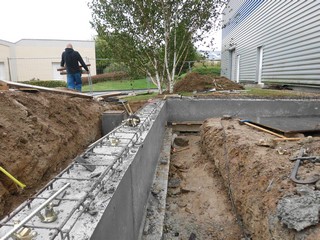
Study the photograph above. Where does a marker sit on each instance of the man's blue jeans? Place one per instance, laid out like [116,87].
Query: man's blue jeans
[74,81]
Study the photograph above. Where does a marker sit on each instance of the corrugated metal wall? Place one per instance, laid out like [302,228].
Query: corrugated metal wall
[285,33]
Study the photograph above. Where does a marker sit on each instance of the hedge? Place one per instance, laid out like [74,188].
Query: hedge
[47,83]
[106,77]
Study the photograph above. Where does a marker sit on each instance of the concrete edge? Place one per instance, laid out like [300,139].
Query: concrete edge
[156,207]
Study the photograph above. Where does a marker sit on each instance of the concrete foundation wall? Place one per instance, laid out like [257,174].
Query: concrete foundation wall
[124,215]
[201,109]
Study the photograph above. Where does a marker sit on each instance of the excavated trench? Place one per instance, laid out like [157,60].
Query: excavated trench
[227,181]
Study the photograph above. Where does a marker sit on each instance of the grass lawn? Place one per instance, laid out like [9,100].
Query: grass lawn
[270,93]
[120,85]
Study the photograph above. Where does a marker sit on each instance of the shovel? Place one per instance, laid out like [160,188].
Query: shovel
[132,120]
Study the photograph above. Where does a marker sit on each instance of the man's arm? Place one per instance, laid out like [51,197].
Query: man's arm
[82,62]
[62,60]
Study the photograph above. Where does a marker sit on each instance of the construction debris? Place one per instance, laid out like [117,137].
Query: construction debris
[300,211]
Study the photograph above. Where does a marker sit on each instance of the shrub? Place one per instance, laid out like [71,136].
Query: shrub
[204,70]
[49,83]
[106,77]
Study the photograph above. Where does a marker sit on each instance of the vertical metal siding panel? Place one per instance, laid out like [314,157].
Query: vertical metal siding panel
[289,33]
[247,39]
[292,58]
[228,12]
[237,36]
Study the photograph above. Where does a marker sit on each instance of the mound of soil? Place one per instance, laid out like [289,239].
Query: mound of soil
[201,83]
[256,175]
[40,134]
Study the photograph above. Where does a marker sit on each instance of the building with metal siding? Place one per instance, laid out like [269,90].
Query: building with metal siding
[267,41]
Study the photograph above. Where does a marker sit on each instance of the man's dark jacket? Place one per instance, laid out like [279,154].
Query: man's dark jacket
[71,59]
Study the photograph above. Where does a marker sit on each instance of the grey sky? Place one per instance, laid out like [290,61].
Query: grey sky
[43,19]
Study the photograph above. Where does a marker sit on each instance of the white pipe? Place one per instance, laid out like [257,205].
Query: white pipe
[24,221]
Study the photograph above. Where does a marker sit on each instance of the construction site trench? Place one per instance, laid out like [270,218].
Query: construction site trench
[211,173]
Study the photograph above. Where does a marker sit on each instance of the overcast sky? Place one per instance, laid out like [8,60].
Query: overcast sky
[46,19]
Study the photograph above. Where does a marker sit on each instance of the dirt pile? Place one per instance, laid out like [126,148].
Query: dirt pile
[40,134]
[201,83]
[257,175]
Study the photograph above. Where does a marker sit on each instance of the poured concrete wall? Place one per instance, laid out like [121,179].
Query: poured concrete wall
[201,109]
[124,215]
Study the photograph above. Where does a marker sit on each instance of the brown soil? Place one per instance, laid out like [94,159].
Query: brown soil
[226,183]
[256,169]
[197,201]
[195,82]
[40,134]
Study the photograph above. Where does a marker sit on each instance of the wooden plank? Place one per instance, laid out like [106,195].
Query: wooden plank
[45,89]
[107,95]
[264,130]
[65,72]
[64,68]
[188,123]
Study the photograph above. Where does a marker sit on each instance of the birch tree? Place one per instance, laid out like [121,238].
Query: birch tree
[153,37]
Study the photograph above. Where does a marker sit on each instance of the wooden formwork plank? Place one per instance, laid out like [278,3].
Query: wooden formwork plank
[45,89]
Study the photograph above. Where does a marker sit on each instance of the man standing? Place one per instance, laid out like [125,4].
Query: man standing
[71,59]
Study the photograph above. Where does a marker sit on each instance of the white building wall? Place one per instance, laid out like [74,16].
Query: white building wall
[5,53]
[39,58]
[2,71]
[287,33]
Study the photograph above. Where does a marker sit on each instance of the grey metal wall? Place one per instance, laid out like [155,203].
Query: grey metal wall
[288,32]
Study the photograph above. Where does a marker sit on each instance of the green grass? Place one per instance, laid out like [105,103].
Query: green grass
[119,85]
[258,92]
[204,70]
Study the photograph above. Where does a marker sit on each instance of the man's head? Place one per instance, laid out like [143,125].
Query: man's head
[69,45]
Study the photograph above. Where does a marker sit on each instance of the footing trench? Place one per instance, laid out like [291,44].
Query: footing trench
[264,178]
